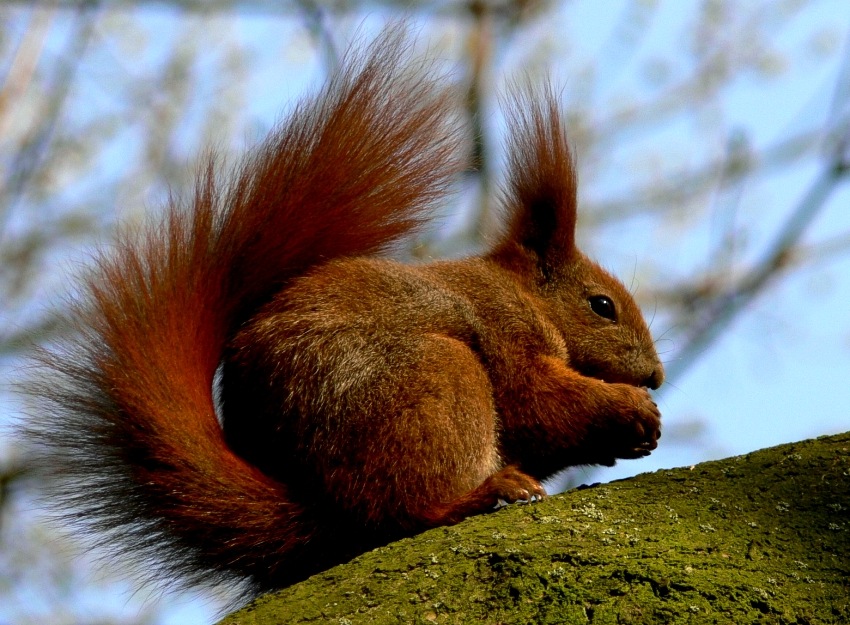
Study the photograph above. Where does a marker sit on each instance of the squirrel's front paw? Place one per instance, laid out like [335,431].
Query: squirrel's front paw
[634,426]
[643,429]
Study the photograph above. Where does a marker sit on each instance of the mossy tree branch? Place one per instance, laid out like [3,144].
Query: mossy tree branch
[760,538]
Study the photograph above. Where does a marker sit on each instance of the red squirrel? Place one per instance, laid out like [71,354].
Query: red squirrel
[254,390]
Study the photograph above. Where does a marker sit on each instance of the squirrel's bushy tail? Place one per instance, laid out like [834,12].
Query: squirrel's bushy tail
[125,409]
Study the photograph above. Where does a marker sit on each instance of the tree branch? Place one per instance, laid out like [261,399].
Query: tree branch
[761,538]
[717,313]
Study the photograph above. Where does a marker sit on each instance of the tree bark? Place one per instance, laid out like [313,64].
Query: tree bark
[760,538]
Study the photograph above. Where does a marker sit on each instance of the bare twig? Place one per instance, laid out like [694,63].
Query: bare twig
[718,314]
[22,68]
[717,308]
[680,188]
[26,162]
[315,21]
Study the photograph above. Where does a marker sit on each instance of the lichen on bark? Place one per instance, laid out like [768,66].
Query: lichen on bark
[761,538]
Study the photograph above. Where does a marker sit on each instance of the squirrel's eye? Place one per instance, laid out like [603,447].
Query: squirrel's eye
[603,306]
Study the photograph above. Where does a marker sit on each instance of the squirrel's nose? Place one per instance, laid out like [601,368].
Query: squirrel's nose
[655,379]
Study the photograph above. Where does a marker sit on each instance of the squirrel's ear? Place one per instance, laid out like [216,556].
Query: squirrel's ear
[541,189]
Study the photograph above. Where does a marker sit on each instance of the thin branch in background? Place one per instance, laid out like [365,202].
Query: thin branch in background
[316,23]
[492,24]
[824,251]
[730,189]
[23,64]
[26,162]
[480,54]
[733,49]
[20,76]
[679,188]
[719,311]
[841,94]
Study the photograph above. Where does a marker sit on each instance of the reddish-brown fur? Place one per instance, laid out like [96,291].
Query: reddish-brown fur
[361,399]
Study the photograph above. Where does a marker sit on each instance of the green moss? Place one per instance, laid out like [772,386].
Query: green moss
[762,538]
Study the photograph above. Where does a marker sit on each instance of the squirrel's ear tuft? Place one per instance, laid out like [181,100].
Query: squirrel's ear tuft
[540,194]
